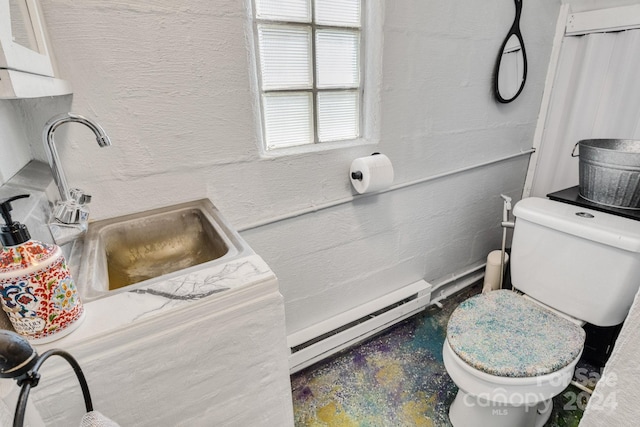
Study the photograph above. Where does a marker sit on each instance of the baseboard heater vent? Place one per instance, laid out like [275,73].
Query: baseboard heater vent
[352,324]
[319,341]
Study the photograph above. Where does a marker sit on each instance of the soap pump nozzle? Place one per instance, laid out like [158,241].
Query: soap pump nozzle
[12,233]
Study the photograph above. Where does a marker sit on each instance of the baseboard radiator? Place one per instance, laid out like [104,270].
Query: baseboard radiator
[326,338]
[323,339]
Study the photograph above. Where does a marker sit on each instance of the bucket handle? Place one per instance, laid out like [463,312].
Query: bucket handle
[573,152]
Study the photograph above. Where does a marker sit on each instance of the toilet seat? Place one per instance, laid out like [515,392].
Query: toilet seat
[503,334]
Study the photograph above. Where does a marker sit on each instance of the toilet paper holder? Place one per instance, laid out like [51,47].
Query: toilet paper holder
[358,174]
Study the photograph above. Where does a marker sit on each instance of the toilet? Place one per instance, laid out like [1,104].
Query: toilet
[510,352]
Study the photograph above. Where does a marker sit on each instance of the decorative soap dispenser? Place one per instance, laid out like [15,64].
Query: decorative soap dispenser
[37,291]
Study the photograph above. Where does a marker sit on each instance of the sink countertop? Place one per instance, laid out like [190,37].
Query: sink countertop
[120,310]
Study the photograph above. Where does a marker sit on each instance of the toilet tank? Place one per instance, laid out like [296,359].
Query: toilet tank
[580,261]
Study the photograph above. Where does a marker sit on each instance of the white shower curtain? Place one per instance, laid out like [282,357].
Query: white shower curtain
[596,94]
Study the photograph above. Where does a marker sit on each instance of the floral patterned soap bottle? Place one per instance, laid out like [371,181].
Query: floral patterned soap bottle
[36,288]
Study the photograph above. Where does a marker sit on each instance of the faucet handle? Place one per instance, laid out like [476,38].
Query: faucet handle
[79,196]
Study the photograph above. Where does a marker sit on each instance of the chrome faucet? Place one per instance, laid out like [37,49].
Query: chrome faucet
[70,211]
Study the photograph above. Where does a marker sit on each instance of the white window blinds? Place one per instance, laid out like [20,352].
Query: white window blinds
[309,70]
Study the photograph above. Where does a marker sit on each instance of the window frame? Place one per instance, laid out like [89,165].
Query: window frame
[370,71]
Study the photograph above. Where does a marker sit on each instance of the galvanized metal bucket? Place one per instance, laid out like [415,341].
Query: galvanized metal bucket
[609,171]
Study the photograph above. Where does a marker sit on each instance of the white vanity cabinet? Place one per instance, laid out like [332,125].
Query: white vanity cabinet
[157,357]
[27,69]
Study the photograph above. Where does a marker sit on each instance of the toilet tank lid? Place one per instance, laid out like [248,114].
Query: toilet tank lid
[601,227]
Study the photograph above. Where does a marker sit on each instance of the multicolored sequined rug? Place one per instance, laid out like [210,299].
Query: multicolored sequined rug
[396,379]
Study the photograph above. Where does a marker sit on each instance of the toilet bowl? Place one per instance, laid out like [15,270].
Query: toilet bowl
[519,402]
[511,353]
[500,360]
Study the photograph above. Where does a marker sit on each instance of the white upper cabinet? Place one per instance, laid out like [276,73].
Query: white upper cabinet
[26,63]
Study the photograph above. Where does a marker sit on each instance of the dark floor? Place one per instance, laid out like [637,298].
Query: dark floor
[398,379]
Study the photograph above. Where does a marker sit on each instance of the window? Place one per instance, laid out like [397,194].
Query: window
[310,70]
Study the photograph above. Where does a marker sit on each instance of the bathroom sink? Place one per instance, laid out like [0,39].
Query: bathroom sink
[120,253]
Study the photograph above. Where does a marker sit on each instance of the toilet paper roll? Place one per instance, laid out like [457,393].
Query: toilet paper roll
[371,173]
[492,271]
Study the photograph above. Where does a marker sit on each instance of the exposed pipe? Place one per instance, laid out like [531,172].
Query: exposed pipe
[350,199]
[505,224]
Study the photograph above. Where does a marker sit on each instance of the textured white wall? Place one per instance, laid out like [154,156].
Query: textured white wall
[170,82]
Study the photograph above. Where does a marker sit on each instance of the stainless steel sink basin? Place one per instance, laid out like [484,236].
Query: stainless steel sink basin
[122,252]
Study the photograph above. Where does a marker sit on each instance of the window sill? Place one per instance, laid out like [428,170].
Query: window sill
[315,148]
